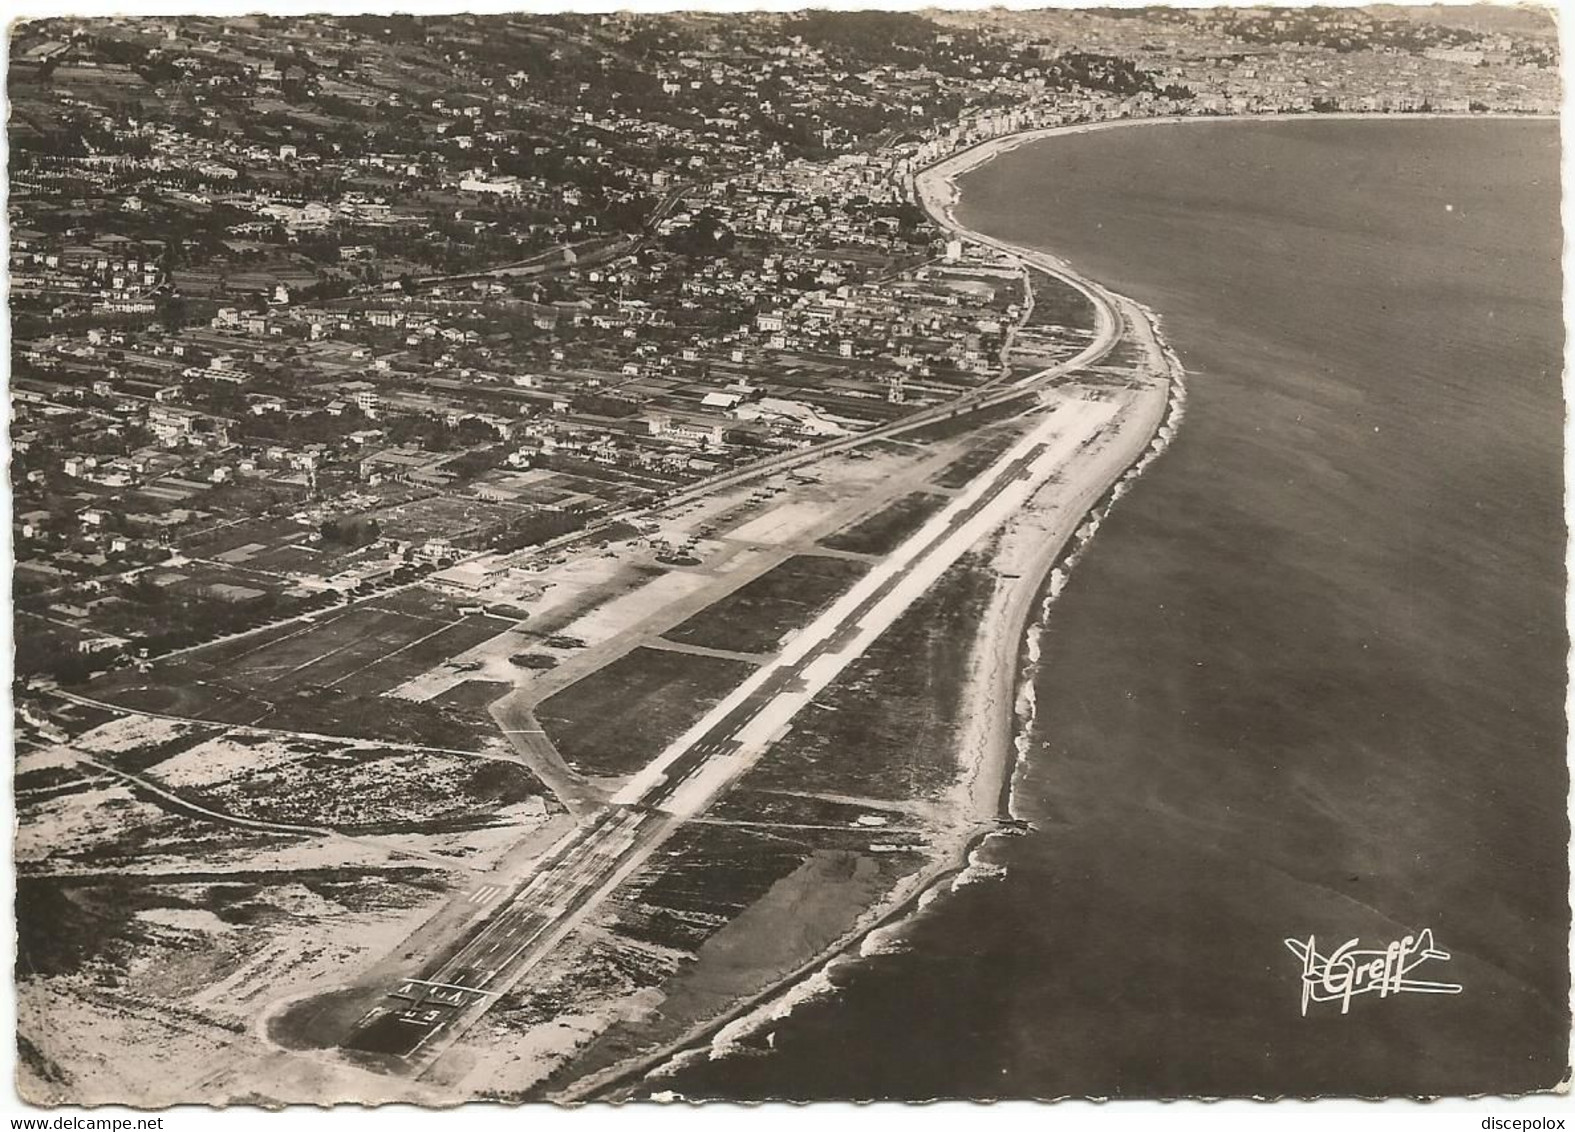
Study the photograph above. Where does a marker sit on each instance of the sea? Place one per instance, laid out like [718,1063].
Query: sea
[1308,682]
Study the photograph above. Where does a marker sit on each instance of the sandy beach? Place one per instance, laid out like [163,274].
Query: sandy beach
[937,183]
[1077,444]
[1290,605]
[573,558]
[1032,544]
[1052,527]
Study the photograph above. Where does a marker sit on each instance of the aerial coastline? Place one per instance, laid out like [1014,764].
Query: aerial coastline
[555,590]
[1143,736]
[1001,682]
[1034,554]
[937,183]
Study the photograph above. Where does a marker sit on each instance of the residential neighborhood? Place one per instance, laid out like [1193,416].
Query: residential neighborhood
[539,538]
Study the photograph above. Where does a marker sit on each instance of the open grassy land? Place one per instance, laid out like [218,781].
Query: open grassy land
[884,728]
[1128,354]
[192,691]
[975,460]
[712,873]
[620,717]
[729,912]
[368,649]
[755,617]
[884,531]
[357,790]
[1059,304]
[475,695]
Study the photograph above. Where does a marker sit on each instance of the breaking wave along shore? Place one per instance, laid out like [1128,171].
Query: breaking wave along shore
[1045,576]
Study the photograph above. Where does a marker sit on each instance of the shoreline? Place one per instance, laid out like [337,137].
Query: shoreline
[1001,664]
[1007,711]
[982,152]
[1001,669]
[936,191]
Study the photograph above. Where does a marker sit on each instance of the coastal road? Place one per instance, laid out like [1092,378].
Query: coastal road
[420,1016]
[1107,331]
[423,1015]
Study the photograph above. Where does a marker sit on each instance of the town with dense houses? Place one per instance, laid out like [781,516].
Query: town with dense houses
[526,526]
[306,308]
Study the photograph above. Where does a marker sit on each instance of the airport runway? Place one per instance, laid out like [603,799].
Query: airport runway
[422,1015]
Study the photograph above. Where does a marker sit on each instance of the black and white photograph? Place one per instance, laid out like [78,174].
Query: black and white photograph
[579,556]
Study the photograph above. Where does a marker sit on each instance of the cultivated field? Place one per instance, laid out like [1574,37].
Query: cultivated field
[327,674]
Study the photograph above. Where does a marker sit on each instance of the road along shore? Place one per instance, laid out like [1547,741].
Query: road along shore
[1030,554]
[936,190]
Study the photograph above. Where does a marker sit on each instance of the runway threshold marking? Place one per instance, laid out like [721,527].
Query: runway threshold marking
[453,987]
[579,865]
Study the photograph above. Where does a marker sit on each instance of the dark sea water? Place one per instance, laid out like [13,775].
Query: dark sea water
[1309,680]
